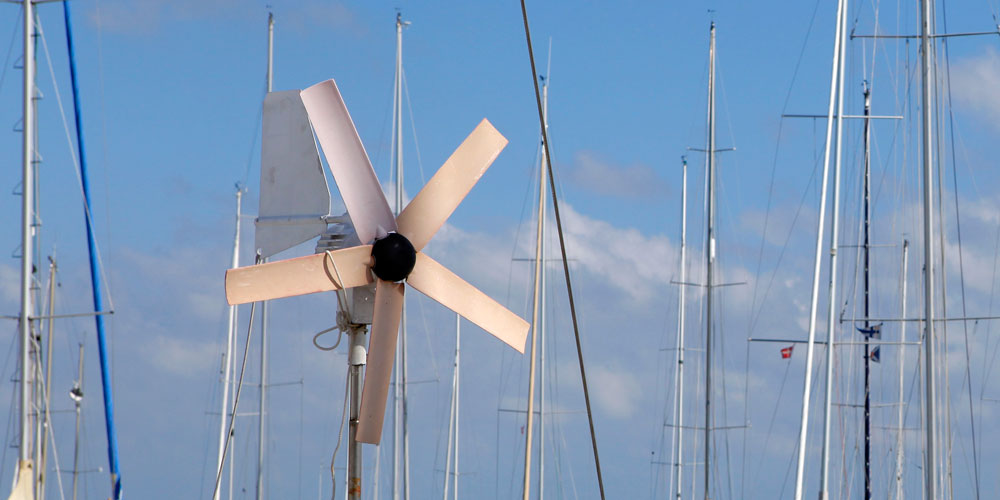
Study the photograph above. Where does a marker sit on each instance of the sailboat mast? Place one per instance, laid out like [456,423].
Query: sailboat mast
[902,352]
[709,257]
[231,331]
[541,290]
[817,256]
[681,304]
[401,438]
[453,418]
[27,233]
[831,318]
[539,263]
[263,309]
[77,395]
[867,296]
[930,460]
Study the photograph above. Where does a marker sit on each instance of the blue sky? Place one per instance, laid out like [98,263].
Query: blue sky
[172,95]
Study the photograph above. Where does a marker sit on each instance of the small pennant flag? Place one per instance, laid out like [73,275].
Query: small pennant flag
[787,352]
[874,332]
[876,354]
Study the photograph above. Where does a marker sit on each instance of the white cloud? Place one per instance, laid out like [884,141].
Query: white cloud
[616,391]
[180,357]
[975,81]
[593,173]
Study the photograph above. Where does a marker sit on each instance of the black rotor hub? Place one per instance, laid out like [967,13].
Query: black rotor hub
[394,257]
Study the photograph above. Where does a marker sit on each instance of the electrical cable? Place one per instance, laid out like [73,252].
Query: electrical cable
[562,247]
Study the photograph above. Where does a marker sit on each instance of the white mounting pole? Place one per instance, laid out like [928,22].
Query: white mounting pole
[930,462]
[902,352]
[261,445]
[831,318]
[228,360]
[817,262]
[357,359]
[679,386]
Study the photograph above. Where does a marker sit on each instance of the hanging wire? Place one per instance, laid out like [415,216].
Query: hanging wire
[562,247]
[236,399]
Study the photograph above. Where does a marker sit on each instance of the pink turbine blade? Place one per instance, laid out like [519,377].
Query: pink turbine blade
[381,354]
[432,206]
[299,276]
[442,285]
[348,161]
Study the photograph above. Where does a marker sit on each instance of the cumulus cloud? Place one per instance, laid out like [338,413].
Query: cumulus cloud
[616,391]
[975,81]
[593,173]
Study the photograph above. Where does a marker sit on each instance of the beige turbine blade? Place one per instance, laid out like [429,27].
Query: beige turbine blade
[299,276]
[381,354]
[442,285]
[432,206]
[348,161]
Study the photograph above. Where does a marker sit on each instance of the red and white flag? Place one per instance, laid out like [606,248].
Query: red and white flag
[787,352]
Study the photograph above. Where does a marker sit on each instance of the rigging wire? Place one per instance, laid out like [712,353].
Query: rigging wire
[958,230]
[562,247]
[239,390]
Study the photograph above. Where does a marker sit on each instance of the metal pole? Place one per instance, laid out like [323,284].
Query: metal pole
[401,365]
[831,319]
[228,361]
[541,299]
[902,351]
[261,440]
[77,395]
[867,297]
[528,429]
[817,262]
[95,271]
[47,420]
[357,360]
[709,258]
[679,387]
[270,51]
[453,419]
[930,461]
[27,233]
[458,384]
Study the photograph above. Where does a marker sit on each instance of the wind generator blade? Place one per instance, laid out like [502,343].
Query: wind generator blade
[348,161]
[294,194]
[432,206]
[381,354]
[310,274]
[442,285]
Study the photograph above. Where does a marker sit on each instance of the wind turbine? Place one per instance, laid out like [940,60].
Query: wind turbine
[390,254]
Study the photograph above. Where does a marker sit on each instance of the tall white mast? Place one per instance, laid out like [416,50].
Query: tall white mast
[228,359]
[541,288]
[537,306]
[453,418]
[401,427]
[930,462]
[709,257]
[831,318]
[817,262]
[902,352]
[681,303]
[27,235]
[261,444]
